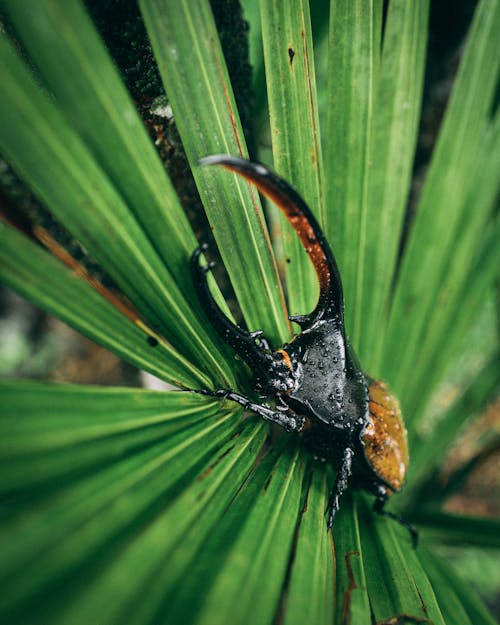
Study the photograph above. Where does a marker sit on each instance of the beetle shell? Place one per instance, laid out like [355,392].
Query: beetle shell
[384,437]
[322,358]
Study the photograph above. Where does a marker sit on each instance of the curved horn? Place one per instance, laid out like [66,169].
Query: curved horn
[331,301]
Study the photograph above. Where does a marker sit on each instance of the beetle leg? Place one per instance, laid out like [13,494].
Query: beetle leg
[379,508]
[244,343]
[288,420]
[302,320]
[340,485]
[331,303]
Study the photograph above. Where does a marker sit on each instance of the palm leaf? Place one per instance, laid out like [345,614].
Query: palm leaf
[143,507]
[195,77]
[291,89]
[33,272]
[312,577]
[252,547]
[59,167]
[435,268]
[459,604]
[63,42]
[355,35]
[397,98]
[117,482]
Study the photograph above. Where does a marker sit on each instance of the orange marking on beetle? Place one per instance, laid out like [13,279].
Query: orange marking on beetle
[286,358]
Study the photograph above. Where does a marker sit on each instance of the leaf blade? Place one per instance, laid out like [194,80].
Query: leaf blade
[295,133]
[62,41]
[397,101]
[73,525]
[353,60]
[41,278]
[194,73]
[175,537]
[245,560]
[351,598]
[396,582]
[309,596]
[460,605]
[56,164]
[429,258]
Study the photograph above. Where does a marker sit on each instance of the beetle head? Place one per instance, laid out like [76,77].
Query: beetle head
[279,375]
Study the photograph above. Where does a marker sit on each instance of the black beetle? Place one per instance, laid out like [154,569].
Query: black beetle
[315,382]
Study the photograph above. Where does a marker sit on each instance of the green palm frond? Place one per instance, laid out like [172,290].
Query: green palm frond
[142,507]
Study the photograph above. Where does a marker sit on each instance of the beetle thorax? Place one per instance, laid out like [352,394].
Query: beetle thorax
[329,388]
[280,376]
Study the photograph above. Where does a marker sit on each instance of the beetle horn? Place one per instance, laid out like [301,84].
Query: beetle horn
[331,302]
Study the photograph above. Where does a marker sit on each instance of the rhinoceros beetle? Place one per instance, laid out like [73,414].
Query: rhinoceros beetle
[314,385]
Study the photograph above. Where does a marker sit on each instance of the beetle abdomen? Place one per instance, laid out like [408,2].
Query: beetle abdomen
[384,437]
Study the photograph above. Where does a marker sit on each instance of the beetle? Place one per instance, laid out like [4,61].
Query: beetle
[314,385]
